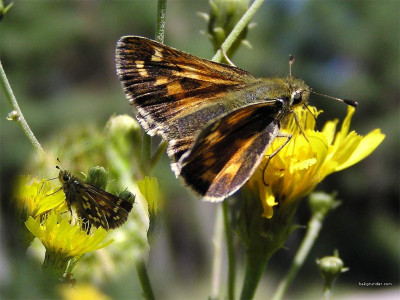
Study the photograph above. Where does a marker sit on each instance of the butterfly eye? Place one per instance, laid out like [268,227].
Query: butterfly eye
[297,97]
[66,177]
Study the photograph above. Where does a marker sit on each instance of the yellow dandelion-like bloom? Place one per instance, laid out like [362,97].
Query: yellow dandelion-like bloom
[64,241]
[303,163]
[33,197]
[82,292]
[58,235]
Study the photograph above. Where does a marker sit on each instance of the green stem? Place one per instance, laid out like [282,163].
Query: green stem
[161,13]
[55,264]
[217,257]
[20,117]
[230,252]
[145,156]
[156,156]
[256,261]
[314,227]
[327,293]
[144,280]
[146,161]
[238,29]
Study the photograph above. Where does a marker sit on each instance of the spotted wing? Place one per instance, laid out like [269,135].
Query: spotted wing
[101,208]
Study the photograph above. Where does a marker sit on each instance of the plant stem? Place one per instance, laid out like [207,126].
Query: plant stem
[146,160]
[217,257]
[156,156]
[256,261]
[314,227]
[145,156]
[20,117]
[327,293]
[161,14]
[144,280]
[230,252]
[238,29]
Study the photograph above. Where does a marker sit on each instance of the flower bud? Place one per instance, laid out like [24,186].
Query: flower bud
[98,176]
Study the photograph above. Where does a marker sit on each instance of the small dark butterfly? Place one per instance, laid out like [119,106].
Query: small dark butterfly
[93,205]
[218,120]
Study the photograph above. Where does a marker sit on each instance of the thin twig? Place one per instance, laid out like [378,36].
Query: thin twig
[17,115]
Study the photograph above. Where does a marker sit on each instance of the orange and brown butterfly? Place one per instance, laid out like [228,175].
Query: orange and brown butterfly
[92,204]
[218,120]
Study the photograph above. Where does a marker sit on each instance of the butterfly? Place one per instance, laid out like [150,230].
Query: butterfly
[93,205]
[218,120]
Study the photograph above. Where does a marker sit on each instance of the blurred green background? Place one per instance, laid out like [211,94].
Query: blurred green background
[59,59]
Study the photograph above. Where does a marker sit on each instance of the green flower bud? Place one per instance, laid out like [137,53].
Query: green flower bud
[125,134]
[330,267]
[127,195]
[322,203]
[13,116]
[223,17]
[98,176]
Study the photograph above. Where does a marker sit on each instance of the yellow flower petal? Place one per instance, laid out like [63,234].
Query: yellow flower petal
[329,130]
[364,148]
[35,197]
[82,292]
[304,162]
[59,236]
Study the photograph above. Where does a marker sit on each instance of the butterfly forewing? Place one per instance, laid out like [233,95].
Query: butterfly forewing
[94,205]
[175,93]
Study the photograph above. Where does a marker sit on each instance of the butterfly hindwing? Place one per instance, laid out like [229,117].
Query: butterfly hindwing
[114,209]
[89,209]
[227,151]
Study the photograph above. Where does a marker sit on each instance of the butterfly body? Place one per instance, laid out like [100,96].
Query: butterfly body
[92,204]
[218,120]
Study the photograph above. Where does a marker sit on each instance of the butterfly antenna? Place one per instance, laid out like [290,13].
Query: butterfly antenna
[59,161]
[345,101]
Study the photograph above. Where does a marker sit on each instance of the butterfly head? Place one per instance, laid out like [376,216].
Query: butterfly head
[299,91]
[64,176]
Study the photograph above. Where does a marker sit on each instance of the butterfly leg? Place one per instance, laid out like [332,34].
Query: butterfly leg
[296,119]
[282,135]
[86,226]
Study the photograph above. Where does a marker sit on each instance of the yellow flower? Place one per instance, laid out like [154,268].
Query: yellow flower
[82,292]
[303,163]
[64,241]
[35,197]
[58,235]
